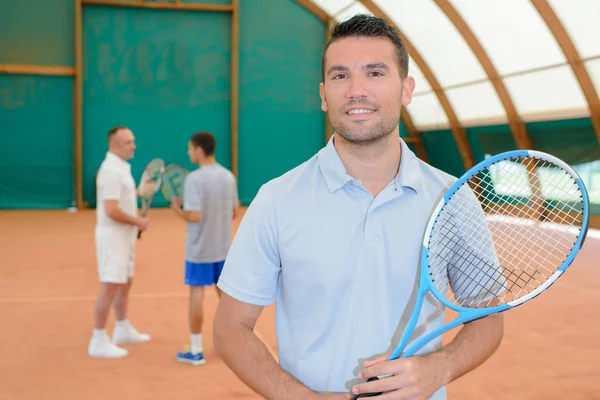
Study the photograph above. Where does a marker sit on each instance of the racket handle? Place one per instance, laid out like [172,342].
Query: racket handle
[139,234]
[359,396]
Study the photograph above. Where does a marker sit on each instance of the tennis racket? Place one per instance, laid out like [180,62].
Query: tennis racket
[150,182]
[173,180]
[500,236]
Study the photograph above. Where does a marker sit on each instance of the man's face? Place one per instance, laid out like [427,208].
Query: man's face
[192,153]
[362,91]
[123,144]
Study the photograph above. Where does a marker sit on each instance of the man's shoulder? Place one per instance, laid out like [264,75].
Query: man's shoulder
[291,182]
[435,177]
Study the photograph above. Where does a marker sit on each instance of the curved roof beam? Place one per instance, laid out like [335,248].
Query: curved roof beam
[517,127]
[414,134]
[405,116]
[572,55]
[458,131]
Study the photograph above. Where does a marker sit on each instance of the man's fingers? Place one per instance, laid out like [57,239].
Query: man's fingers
[394,367]
[377,360]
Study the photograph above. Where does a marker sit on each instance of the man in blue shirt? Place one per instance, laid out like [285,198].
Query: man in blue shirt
[335,243]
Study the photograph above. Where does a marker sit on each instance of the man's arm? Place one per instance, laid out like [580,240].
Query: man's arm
[249,358]
[474,344]
[114,212]
[186,215]
[423,376]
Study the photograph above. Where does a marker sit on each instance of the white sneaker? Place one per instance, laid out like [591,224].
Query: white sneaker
[103,348]
[129,335]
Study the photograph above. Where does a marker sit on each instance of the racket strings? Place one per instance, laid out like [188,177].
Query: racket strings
[472,282]
[487,247]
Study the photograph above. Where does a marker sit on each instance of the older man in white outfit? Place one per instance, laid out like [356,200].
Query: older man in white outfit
[117,225]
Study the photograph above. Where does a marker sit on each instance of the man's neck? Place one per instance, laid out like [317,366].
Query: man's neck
[207,161]
[375,164]
[116,155]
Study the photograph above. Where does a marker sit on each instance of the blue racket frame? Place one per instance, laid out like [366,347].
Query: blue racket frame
[466,314]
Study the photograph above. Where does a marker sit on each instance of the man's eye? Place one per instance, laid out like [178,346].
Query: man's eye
[375,73]
[340,76]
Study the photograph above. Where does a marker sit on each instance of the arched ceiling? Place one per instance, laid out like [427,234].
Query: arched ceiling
[492,62]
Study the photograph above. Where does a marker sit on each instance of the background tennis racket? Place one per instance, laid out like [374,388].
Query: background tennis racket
[501,235]
[173,180]
[149,184]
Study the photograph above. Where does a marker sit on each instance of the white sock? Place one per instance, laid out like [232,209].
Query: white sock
[99,333]
[196,343]
[122,325]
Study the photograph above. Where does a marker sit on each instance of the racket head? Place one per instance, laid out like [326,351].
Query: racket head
[502,235]
[150,182]
[173,181]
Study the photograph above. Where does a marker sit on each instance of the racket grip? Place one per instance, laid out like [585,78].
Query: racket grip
[139,234]
[360,396]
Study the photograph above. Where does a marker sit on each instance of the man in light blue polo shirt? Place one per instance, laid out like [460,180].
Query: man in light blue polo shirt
[335,244]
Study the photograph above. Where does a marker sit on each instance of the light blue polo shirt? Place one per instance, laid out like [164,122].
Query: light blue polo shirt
[340,265]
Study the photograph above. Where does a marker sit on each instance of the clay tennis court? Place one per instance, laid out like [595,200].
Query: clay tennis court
[48,283]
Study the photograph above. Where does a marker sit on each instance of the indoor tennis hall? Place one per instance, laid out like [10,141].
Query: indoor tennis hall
[491,77]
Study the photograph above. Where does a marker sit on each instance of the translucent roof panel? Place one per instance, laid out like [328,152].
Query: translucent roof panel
[593,68]
[427,112]
[332,7]
[512,32]
[552,91]
[436,39]
[580,19]
[477,103]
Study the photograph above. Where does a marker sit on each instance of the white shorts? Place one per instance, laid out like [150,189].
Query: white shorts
[115,253]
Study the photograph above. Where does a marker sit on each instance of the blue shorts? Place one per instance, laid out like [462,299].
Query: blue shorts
[203,274]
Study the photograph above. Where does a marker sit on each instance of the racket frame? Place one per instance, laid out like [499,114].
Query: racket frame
[146,201]
[472,314]
[171,166]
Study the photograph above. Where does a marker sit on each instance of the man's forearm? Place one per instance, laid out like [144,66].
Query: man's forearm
[184,215]
[121,216]
[474,344]
[252,362]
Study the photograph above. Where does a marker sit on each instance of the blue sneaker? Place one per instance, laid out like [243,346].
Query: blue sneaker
[189,358]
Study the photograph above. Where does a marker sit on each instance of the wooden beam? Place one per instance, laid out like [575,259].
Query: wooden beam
[78,107]
[42,70]
[458,131]
[162,6]
[517,127]
[414,135]
[235,45]
[574,60]
[315,9]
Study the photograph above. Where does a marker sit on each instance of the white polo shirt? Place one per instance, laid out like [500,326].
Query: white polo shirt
[340,264]
[115,182]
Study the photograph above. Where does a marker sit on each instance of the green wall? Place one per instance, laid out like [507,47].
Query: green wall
[281,123]
[163,74]
[37,32]
[36,151]
[166,75]
[36,117]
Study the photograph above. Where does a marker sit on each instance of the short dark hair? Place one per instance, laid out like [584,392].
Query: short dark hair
[113,131]
[206,141]
[363,25]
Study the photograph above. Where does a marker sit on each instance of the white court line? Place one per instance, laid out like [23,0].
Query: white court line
[90,298]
